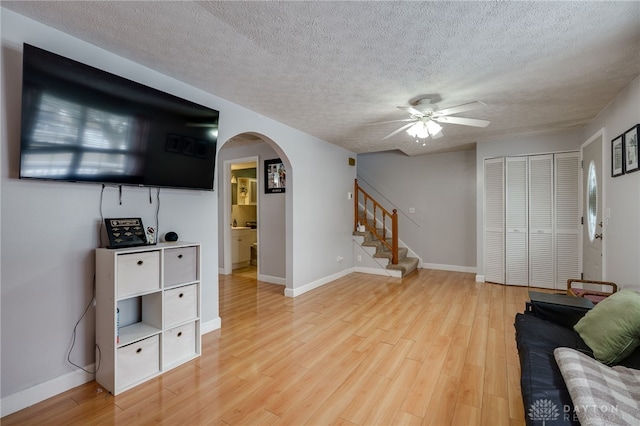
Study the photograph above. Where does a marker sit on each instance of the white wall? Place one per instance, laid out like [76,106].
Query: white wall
[517,145]
[323,219]
[622,233]
[49,230]
[441,188]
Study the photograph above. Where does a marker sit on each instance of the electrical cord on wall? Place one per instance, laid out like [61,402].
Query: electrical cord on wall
[101,215]
[75,332]
[158,215]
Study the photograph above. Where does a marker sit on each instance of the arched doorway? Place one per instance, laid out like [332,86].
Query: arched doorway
[271,208]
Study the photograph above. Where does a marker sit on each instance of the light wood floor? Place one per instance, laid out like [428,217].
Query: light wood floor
[435,348]
[247,272]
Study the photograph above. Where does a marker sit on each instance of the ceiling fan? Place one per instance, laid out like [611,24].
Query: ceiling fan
[425,117]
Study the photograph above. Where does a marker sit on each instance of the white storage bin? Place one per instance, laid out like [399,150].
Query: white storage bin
[180,266]
[138,273]
[180,304]
[138,361]
[179,344]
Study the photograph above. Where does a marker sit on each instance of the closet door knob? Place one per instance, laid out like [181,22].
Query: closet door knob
[140,262]
[179,256]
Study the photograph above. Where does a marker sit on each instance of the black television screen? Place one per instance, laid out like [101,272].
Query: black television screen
[83,124]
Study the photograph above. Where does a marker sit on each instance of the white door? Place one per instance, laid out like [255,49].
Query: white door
[592,209]
[494,220]
[517,253]
[541,247]
[567,218]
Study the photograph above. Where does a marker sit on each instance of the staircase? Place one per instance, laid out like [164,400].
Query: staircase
[378,241]
[405,264]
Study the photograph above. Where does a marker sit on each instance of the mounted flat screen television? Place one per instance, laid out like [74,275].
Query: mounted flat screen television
[82,124]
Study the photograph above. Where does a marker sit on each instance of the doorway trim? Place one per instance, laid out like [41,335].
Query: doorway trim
[227,265]
[601,133]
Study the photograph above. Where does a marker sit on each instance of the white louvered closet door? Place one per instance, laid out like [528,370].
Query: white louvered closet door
[517,256]
[541,248]
[494,220]
[567,218]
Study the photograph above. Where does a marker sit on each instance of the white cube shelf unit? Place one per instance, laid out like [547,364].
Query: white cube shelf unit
[147,312]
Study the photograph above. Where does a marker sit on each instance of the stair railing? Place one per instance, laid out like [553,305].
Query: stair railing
[379,215]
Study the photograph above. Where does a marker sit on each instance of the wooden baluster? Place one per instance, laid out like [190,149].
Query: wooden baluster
[365,207]
[394,237]
[375,218]
[384,226]
[356,194]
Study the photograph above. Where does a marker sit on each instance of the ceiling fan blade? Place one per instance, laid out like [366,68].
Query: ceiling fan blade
[411,110]
[391,121]
[437,135]
[464,121]
[406,126]
[461,108]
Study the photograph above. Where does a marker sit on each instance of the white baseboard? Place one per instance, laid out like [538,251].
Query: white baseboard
[480,278]
[293,292]
[377,271]
[272,280]
[453,268]
[30,396]
[209,326]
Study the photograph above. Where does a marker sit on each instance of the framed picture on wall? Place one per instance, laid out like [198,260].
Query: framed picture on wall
[173,143]
[275,176]
[617,157]
[631,149]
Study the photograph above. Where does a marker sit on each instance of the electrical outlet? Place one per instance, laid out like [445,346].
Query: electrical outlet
[412,209]
[359,258]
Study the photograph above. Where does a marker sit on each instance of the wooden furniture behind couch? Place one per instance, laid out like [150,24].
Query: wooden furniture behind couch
[594,295]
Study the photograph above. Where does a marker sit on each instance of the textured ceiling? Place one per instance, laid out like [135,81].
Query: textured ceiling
[330,68]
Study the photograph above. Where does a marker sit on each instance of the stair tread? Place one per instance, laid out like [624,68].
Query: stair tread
[402,253]
[405,264]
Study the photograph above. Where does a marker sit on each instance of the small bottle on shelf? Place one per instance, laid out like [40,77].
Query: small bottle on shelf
[117,325]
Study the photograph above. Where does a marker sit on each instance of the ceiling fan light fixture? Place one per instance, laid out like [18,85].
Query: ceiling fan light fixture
[419,130]
[423,129]
[424,119]
[433,127]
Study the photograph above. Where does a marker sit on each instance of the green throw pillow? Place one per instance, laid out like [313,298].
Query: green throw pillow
[612,327]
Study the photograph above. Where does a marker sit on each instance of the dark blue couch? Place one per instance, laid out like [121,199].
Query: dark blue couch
[538,333]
